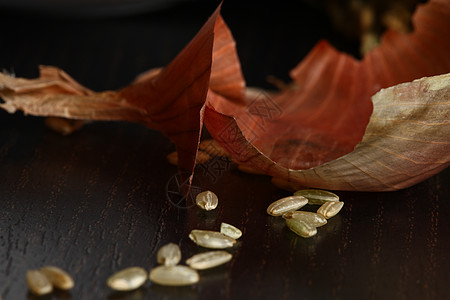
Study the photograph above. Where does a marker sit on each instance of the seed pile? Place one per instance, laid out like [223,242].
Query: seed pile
[169,272]
[41,282]
[305,223]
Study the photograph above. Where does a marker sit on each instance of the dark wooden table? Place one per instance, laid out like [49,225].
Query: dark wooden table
[97,201]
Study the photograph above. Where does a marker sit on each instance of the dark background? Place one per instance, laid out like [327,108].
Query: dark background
[96,201]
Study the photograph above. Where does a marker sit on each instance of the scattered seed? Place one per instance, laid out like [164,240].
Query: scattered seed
[211,239]
[314,219]
[301,228]
[286,204]
[213,148]
[209,259]
[230,230]
[127,279]
[317,197]
[207,200]
[38,283]
[59,278]
[330,209]
[201,158]
[174,275]
[169,255]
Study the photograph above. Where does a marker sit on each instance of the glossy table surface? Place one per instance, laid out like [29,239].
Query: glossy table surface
[103,199]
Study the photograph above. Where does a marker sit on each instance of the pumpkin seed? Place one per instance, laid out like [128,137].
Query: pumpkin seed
[230,230]
[127,279]
[330,209]
[209,259]
[314,219]
[317,197]
[207,200]
[174,275]
[301,228]
[211,239]
[286,204]
[38,283]
[169,255]
[59,278]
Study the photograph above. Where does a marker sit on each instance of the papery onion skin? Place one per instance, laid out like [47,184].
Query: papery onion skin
[392,155]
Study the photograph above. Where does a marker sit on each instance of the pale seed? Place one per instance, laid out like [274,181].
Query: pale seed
[317,197]
[209,259]
[207,200]
[314,219]
[169,255]
[174,275]
[330,209]
[286,204]
[59,278]
[211,239]
[301,228]
[127,279]
[230,230]
[38,283]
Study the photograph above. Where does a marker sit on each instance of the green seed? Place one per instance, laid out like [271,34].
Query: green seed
[286,204]
[311,218]
[301,228]
[330,209]
[317,197]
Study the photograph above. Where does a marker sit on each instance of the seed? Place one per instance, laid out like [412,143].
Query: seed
[127,279]
[174,275]
[318,197]
[38,283]
[59,278]
[301,228]
[330,209]
[207,200]
[209,259]
[286,204]
[230,230]
[311,218]
[169,255]
[211,239]
[201,158]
